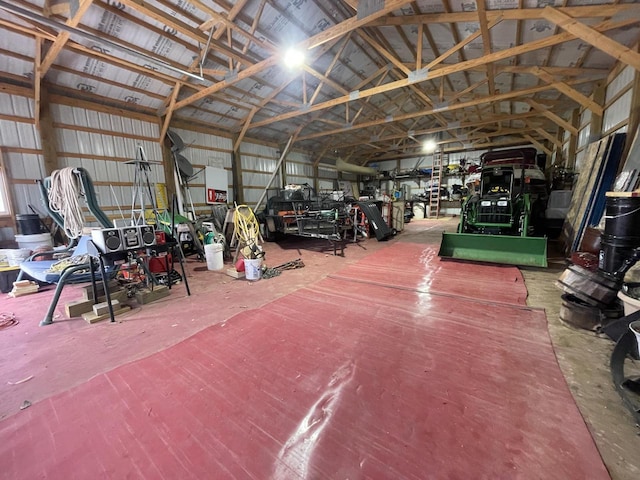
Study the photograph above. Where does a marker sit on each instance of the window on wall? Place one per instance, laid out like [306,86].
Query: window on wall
[5,208]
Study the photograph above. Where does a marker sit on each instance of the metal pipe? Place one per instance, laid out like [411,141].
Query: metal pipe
[94,38]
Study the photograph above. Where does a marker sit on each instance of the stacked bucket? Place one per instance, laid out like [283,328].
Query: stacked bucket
[621,234]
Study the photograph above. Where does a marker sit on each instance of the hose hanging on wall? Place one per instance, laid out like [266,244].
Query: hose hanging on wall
[63,196]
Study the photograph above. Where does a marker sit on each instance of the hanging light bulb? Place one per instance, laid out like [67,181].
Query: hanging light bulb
[293,58]
[429,146]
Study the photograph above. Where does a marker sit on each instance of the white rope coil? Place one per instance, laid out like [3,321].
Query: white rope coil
[63,196]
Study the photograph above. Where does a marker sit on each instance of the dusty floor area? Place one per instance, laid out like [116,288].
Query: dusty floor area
[584,359]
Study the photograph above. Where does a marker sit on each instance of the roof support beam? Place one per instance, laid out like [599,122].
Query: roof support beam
[590,11]
[169,111]
[552,116]
[489,120]
[63,37]
[562,87]
[486,43]
[543,133]
[37,81]
[592,37]
[456,106]
[538,145]
[446,70]
[321,38]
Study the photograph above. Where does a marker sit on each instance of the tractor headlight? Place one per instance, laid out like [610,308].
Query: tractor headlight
[502,203]
[485,203]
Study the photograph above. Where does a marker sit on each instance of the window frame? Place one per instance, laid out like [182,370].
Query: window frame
[6,216]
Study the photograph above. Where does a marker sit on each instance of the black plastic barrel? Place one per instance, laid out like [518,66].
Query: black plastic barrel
[622,217]
[28,224]
[615,250]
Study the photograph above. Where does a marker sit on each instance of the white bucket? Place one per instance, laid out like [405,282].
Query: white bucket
[213,254]
[33,242]
[635,328]
[17,255]
[253,268]
[630,304]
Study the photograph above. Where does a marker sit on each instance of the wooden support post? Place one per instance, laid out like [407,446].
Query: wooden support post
[316,180]
[573,141]
[47,135]
[559,160]
[595,131]
[236,175]
[168,168]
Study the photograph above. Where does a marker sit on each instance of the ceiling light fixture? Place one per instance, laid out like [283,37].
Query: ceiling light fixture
[429,146]
[293,58]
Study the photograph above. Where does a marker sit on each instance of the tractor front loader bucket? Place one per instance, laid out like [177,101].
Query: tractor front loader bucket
[511,250]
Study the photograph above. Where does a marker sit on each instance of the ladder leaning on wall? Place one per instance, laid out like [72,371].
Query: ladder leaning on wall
[434,188]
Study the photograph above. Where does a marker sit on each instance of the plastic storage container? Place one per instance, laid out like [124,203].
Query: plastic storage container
[33,242]
[214,256]
[17,255]
[253,268]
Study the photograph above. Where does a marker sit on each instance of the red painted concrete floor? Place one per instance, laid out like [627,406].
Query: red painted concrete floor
[366,366]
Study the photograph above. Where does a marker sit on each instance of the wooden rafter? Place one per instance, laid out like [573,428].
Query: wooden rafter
[538,144]
[63,37]
[579,98]
[218,20]
[447,70]
[592,37]
[456,106]
[486,43]
[552,116]
[543,133]
[327,35]
[169,112]
[590,11]
[37,82]
[185,29]
[429,131]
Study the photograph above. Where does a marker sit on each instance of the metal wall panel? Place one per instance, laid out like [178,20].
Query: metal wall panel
[617,112]
[18,134]
[25,166]
[295,180]
[583,136]
[256,149]
[325,184]
[618,84]
[325,173]
[297,169]
[251,179]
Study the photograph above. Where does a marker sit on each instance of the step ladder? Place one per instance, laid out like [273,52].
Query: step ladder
[434,188]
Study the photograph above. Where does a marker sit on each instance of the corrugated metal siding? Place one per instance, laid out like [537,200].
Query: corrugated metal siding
[296,169]
[618,84]
[584,135]
[327,174]
[617,112]
[113,178]
[15,136]
[325,184]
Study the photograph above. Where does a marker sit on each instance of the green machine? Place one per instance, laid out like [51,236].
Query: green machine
[495,222]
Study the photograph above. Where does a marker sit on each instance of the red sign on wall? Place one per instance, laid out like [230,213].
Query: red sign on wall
[216,196]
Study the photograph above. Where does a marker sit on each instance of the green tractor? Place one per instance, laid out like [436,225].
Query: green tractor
[496,222]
